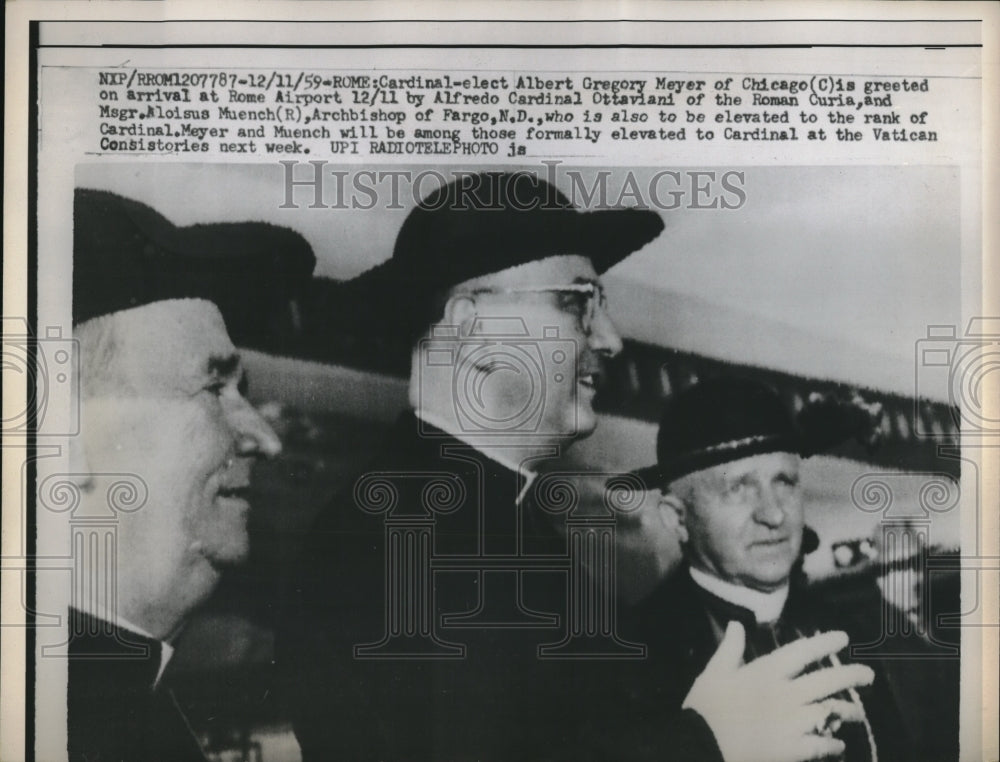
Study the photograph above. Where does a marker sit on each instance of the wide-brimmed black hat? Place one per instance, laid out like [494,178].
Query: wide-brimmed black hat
[727,418]
[126,255]
[484,223]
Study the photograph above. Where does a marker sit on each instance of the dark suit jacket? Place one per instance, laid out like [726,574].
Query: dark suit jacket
[114,714]
[682,623]
[498,701]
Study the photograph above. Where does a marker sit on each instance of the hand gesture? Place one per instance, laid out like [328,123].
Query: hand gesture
[768,710]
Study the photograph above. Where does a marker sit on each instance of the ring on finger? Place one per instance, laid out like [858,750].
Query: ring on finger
[829,725]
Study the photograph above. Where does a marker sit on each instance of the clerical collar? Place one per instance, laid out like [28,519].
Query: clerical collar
[766,607]
[166,650]
[496,454]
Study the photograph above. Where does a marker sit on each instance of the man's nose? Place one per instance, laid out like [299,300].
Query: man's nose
[604,337]
[769,511]
[254,436]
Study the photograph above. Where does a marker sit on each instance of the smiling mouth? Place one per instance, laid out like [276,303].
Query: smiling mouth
[589,381]
[772,542]
[235,493]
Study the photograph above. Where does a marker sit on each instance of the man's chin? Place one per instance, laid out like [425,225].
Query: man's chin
[231,554]
[769,580]
[585,423]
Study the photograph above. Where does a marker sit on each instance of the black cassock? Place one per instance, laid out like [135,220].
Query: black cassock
[497,700]
[682,624]
[115,712]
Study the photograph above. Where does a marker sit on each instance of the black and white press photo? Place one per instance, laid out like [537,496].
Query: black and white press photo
[505,388]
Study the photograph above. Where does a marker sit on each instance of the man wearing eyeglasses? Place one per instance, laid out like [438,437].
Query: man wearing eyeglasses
[425,616]
[417,620]
[528,358]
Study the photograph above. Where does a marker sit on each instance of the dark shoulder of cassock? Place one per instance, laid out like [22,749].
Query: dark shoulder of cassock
[682,625]
[497,702]
[127,255]
[115,710]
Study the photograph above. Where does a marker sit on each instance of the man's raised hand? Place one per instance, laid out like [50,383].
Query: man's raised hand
[768,710]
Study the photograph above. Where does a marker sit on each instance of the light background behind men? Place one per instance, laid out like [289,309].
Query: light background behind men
[724,327]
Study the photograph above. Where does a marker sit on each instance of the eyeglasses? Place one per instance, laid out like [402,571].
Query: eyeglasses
[589,297]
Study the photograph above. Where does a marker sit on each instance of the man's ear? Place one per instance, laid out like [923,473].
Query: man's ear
[674,514]
[461,311]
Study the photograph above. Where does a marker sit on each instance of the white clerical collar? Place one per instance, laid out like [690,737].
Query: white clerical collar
[766,607]
[166,650]
[494,453]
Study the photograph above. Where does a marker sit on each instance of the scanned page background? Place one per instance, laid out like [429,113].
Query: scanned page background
[818,242]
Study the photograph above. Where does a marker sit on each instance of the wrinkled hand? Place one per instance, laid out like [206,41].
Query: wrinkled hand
[768,711]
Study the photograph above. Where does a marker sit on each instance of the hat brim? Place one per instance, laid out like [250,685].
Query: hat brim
[607,236]
[126,255]
[820,426]
[660,475]
[395,294]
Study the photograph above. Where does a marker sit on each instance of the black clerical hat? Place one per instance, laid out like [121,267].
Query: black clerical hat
[126,254]
[726,419]
[484,223]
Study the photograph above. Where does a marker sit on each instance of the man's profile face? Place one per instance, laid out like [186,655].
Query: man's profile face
[162,400]
[571,344]
[744,519]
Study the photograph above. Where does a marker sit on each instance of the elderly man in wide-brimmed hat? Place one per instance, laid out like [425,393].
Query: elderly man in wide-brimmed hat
[425,596]
[729,453]
[494,283]
[162,408]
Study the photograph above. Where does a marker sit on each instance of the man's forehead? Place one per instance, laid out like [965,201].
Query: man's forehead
[174,341]
[554,270]
[754,464]
[176,321]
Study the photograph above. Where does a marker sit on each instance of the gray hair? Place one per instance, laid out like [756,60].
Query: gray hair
[100,348]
